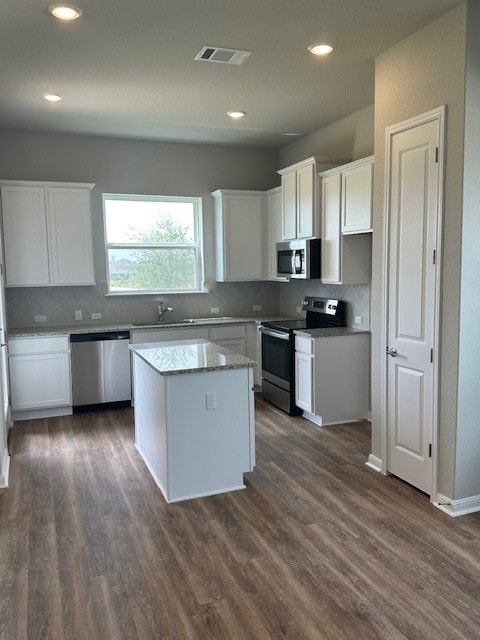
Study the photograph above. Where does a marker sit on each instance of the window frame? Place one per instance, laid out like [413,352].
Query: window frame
[198,245]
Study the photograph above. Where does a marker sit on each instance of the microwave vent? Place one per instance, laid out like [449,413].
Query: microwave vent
[223,55]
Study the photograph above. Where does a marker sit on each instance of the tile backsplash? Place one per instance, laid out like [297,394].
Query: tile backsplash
[357,296]
[58,304]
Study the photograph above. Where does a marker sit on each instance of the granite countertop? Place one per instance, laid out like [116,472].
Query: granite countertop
[43,330]
[188,356]
[332,332]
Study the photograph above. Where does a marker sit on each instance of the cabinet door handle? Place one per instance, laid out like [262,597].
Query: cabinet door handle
[391,352]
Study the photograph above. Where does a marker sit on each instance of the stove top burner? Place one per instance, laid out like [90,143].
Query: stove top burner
[321,313]
[291,325]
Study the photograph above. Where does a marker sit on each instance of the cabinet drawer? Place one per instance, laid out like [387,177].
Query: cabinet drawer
[304,345]
[40,344]
[227,333]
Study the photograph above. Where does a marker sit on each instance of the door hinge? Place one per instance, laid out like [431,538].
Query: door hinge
[431,355]
[436,154]
[434,256]
[429,450]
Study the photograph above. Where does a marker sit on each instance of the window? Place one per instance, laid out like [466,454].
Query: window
[153,244]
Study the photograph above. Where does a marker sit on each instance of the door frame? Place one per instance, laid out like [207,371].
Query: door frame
[438,114]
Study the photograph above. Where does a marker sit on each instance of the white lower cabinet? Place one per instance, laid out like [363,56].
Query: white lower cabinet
[304,381]
[332,377]
[231,337]
[40,376]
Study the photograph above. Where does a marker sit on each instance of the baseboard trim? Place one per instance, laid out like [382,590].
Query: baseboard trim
[32,414]
[374,463]
[313,418]
[455,508]
[5,466]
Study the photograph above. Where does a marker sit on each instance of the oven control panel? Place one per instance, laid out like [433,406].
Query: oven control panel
[321,305]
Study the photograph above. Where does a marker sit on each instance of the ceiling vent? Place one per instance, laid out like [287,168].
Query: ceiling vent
[225,56]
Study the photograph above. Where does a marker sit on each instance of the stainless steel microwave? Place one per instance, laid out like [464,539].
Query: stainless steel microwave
[298,259]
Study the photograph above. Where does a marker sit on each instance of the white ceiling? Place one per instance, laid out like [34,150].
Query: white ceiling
[126,67]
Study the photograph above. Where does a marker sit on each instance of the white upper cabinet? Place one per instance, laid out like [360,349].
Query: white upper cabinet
[47,233]
[238,235]
[70,236]
[25,236]
[346,196]
[274,214]
[357,188]
[301,210]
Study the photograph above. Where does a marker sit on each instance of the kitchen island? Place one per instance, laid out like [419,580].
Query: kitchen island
[194,417]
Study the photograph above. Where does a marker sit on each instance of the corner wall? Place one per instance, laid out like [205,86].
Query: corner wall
[467,468]
[416,75]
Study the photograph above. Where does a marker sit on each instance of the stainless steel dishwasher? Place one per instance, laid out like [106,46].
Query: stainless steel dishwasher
[101,377]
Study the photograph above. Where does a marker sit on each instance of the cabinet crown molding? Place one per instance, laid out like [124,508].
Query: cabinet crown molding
[350,165]
[42,183]
[314,160]
[236,192]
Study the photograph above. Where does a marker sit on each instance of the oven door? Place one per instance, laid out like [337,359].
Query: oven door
[276,357]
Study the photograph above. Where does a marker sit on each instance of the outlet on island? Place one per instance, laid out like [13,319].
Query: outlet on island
[78,315]
[211,400]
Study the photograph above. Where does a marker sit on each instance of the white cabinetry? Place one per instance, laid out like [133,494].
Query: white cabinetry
[357,191]
[332,376]
[40,378]
[346,258]
[304,373]
[231,337]
[301,197]
[238,235]
[275,233]
[47,233]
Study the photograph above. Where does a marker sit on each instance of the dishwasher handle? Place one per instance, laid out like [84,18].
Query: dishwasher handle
[99,336]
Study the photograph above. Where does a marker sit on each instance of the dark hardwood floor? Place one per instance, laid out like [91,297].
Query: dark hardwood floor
[318,546]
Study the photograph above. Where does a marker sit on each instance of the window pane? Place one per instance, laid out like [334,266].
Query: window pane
[143,222]
[152,269]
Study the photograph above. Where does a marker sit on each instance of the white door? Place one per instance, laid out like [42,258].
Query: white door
[413,211]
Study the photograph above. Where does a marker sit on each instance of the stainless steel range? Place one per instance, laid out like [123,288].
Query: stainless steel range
[278,349]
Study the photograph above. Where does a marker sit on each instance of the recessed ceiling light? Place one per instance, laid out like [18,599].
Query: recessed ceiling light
[65,11]
[236,115]
[321,49]
[290,134]
[52,97]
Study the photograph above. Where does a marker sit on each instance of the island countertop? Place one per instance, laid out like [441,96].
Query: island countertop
[188,356]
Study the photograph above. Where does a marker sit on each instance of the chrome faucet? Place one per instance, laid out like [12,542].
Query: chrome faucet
[162,311]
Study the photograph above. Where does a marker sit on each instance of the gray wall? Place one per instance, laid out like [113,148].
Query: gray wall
[350,137]
[416,75]
[141,167]
[467,466]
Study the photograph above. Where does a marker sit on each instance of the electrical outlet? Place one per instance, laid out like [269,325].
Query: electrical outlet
[299,309]
[214,310]
[78,315]
[358,320]
[211,400]
[257,307]
[40,318]
[96,316]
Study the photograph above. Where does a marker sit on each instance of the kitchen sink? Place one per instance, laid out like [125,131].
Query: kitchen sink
[167,323]
[214,320]
[157,323]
